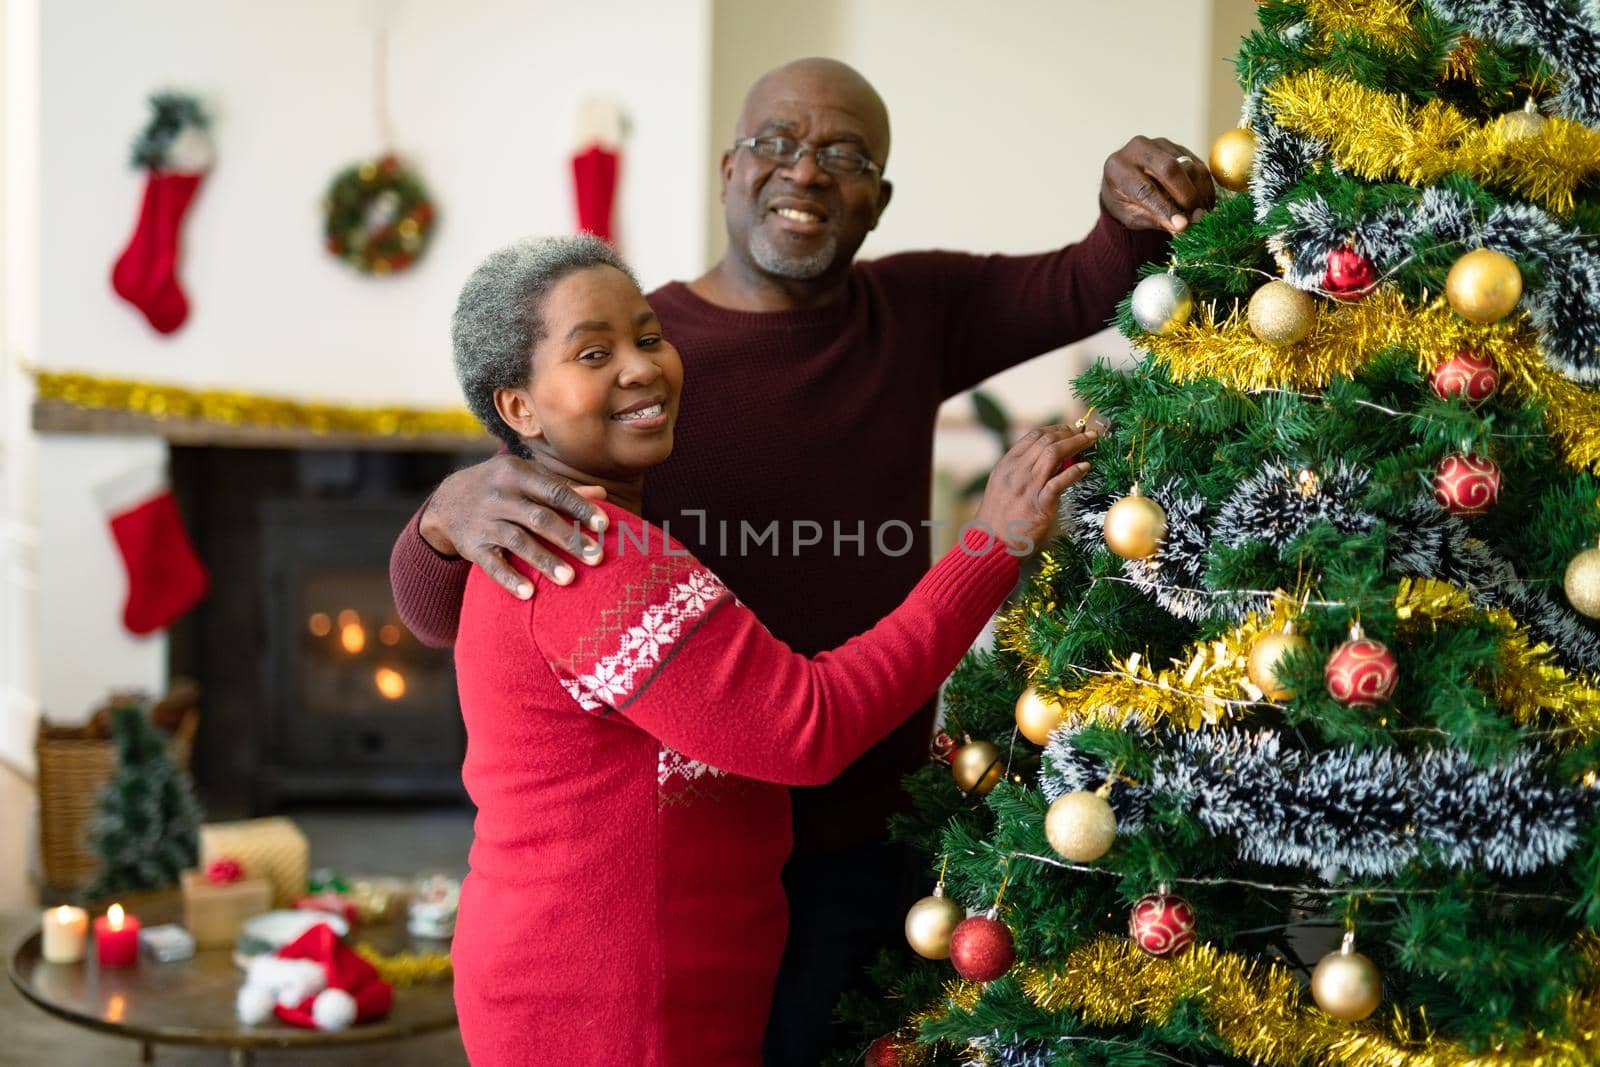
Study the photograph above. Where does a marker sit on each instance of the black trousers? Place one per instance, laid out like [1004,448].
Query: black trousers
[844,907]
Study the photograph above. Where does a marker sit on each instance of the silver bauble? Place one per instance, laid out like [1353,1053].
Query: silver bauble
[1161,303]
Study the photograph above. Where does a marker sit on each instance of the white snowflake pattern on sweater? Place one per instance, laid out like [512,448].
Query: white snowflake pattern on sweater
[642,645]
[670,765]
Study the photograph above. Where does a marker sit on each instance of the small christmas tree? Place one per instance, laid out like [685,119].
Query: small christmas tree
[146,829]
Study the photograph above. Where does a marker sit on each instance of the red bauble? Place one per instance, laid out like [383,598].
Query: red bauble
[1362,672]
[883,1053]
[1467,484]
[1162,925]
[1350,275]
[981,949]
[942,747]
[1467,375]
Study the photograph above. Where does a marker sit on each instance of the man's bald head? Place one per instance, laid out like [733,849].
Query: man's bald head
[797,201]
[818,83]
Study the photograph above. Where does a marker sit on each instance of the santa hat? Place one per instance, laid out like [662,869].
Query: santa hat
[314,982]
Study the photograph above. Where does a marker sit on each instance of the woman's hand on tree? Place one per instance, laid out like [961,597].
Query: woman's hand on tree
[1024,491]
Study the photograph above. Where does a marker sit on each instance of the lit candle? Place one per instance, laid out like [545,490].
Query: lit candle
[64,930]
[116,938]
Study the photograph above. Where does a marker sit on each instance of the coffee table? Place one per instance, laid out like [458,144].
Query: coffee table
[191,1002]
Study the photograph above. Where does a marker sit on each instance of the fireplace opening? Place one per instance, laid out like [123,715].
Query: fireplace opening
[313,691]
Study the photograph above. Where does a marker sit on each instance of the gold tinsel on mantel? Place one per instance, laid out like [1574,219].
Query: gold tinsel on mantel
[1383,137]
[1346,336]
[231,407]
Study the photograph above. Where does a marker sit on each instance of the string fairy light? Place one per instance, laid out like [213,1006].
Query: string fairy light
[1331,892]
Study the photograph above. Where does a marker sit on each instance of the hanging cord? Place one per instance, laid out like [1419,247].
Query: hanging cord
[380,90]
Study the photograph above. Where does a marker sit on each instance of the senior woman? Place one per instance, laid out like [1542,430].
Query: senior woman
[630,733]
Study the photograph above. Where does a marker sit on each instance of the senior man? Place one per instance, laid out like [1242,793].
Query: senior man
[803,463]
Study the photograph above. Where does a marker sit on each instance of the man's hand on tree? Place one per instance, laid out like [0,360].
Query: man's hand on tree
[508,505]
[1154,184]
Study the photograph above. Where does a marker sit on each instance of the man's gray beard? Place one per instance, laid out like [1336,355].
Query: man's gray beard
[798,268]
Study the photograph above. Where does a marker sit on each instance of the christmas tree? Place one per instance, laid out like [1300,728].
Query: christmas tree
[146,829]
[1287,755]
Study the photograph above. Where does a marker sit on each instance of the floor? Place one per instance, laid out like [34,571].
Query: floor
[404,843]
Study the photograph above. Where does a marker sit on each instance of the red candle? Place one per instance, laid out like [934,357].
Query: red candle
[116,938]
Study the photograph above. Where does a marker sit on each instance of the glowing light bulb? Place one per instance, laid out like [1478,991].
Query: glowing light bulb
[390,682]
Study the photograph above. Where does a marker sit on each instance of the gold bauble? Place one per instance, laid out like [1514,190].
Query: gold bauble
[1265,654]
[1135,526]
[1037,715]
[1232,158]
[976,767]
[1583,583]
[1080,826]
[930,922]
[1280,314]
[1346,984]
[1483,286]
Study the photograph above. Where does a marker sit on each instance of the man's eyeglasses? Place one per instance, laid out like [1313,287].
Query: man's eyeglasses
[836,159]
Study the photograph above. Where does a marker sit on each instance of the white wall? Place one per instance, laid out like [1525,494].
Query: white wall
[483,97]
[19,256]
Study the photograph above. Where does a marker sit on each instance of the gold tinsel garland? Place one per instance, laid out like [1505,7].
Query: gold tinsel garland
[1260,1011]
[237,408]
[1345,336]
[407,968]
[1385,21]
[1528,685]
[1382,136]
[1206,687]
[1209,685]
[1388,23]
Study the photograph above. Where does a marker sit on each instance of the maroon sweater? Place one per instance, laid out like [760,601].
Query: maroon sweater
[821,420]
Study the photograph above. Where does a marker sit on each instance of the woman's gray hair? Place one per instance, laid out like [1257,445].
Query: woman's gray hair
[500,317]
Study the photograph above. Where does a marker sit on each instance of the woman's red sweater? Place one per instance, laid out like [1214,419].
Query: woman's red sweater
[629,740]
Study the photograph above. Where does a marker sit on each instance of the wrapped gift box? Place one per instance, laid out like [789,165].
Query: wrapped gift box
[273,849]
[215,913]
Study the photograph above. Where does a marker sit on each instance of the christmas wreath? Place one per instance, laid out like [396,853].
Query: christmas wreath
[378,216]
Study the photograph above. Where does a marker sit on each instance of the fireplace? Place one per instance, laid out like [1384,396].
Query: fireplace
[314,691]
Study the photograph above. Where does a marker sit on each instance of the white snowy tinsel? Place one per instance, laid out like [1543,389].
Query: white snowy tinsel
[1566,34]
[1346,813]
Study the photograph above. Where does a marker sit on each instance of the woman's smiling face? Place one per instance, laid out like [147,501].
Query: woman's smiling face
[602,396]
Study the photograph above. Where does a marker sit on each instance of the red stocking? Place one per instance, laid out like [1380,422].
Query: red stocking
[165,575]
[146,274]
[594,177]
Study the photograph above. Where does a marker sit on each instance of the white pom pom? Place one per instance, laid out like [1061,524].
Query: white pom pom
[254,1003]
[334,1009]
[289,981]
[190,152]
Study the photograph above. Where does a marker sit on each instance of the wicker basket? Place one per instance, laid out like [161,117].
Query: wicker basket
[71,773]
